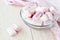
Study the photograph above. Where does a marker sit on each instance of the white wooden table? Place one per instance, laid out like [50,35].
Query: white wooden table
[10,15]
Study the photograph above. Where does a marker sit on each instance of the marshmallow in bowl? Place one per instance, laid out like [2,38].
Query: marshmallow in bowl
[44,19]
[50,16]
[41,9]
[52,8]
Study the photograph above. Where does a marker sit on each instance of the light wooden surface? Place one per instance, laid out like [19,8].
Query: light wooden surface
[10,15]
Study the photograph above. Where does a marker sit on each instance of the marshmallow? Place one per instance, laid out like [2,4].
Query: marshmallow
[52,8]
[10,1]
[44,18]
[36,18]
[13,30]
[50,16]
[19,3]
[25,14]
[40,9]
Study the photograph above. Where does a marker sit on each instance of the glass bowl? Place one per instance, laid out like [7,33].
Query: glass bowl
[38,26]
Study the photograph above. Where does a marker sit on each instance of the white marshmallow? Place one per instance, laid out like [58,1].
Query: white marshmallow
[52,8]
[40,9]
[44,18]
[36,19]
[25,14]
[21,2]
[10,1]
[50,15]
[13,30]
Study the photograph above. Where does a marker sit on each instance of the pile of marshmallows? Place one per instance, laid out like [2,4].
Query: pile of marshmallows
[40,15]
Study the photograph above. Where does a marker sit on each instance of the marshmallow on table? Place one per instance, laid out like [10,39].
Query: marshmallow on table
[13,30]
[20,3]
